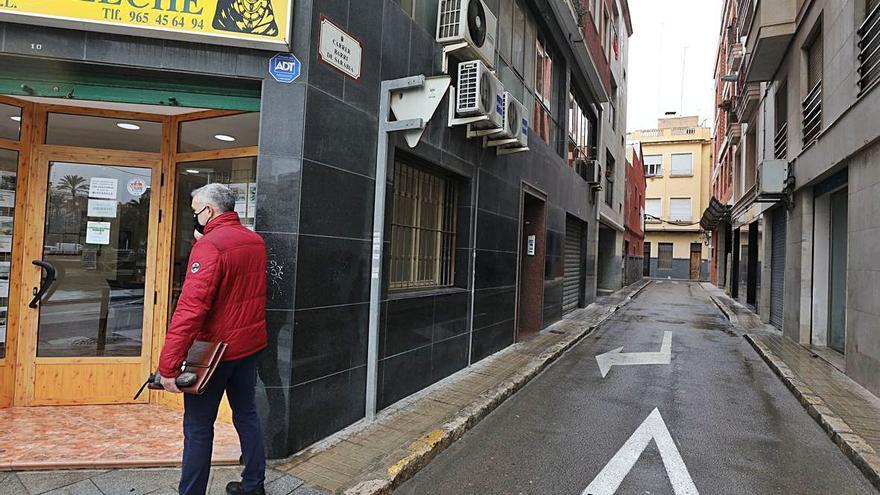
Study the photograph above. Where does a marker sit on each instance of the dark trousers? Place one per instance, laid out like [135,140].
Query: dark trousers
[238,379]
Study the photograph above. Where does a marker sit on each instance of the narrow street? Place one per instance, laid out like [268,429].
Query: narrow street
[735,425]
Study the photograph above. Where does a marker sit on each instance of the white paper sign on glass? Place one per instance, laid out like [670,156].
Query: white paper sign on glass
[7,199]
[98,233]
[103,188]
[102,208]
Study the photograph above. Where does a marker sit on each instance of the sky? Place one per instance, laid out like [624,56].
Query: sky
[671,35]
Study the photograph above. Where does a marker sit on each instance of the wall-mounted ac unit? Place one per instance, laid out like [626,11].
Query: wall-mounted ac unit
[468,27]
[479,94]
[515,130]
[592,172]
[771,178]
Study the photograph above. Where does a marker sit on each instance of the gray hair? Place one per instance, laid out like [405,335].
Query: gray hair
[217,195]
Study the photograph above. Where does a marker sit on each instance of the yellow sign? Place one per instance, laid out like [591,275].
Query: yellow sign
[250,23]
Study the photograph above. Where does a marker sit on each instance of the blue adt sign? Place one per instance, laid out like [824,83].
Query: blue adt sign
[284,67]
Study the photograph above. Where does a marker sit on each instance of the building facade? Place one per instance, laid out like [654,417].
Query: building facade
[636,264]
[677,164]
[105,131]
[806,183]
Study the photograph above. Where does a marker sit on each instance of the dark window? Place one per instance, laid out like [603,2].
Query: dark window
[543,92]
[609,179]
[664,256]
[814,62]
[581,131]
[422,229]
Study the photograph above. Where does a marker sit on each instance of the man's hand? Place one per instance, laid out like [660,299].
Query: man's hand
[170,386]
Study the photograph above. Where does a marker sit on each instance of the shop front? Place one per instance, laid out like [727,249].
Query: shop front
[96,229]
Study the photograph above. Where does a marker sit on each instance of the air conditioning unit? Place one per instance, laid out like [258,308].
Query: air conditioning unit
[469,27]
[592,172]
[771,179]
[479,94]
[515,129]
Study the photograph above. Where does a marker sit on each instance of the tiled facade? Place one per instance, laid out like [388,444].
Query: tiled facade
[315,184]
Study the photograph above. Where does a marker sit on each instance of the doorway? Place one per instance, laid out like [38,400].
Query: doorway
[646,259]
[837,279]
[531,267]
[696,260]
[94,213]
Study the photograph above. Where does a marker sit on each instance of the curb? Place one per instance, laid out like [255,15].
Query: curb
[854,446]
[423,450]
[731,317]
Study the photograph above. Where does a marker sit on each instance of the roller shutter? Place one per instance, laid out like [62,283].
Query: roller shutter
[574,265]
[777,267]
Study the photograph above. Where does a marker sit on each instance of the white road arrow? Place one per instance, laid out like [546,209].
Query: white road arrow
[612,475]
[616,358]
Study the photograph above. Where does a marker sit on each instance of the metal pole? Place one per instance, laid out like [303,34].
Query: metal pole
[379,226]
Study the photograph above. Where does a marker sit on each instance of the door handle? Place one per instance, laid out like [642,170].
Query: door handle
[45,283]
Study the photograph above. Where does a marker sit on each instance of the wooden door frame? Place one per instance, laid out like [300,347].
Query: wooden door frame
[8,365]
[35,211]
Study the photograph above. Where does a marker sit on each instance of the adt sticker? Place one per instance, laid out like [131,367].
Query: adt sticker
[284,67]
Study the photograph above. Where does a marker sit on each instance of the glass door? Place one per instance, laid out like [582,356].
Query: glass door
[91,310]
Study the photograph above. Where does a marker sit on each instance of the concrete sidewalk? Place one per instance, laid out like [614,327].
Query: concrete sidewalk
[145,481]
[375,458]
[845,410]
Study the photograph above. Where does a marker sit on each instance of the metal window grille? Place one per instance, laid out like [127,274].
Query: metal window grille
[664,256]
[869,47]
[780,139]
[450,19]
[423,222]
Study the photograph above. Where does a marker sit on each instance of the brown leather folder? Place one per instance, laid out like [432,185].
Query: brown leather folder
[202,359]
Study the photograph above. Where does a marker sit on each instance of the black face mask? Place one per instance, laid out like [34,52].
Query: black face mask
[199,227]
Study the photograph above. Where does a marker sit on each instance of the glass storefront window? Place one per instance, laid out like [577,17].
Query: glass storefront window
[218,133]
[8,170]
[240,174]
[96,237]
[101,132]
[10,122]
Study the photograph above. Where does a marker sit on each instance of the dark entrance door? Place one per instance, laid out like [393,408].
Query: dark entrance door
[837,290]
[531,268]
[696,259]
[646,260]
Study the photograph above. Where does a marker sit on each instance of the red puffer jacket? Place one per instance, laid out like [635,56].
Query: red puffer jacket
[223,297]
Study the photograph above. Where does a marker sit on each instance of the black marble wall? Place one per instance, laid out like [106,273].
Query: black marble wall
[315,176]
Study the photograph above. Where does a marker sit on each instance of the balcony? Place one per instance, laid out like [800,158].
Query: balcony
[869,51]
[773,25]
[812,111]
[734,133]
[748,101]
[735,55]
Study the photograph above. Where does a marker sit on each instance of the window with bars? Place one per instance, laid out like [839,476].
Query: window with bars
[780,139]
[812,104]
[424,216]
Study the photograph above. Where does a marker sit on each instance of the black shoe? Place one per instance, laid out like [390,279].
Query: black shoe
[234,488]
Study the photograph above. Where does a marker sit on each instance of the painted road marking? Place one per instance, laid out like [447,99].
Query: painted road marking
[615,358]
[609,479]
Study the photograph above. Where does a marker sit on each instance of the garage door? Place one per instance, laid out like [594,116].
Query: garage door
[574,265]
[777,267]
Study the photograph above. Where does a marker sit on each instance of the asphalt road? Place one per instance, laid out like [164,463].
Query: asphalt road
[736,427]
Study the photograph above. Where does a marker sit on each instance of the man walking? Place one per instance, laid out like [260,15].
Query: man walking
[223,300]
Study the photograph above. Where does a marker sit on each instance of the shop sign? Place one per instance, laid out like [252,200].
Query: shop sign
[248,23]
[339,49]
